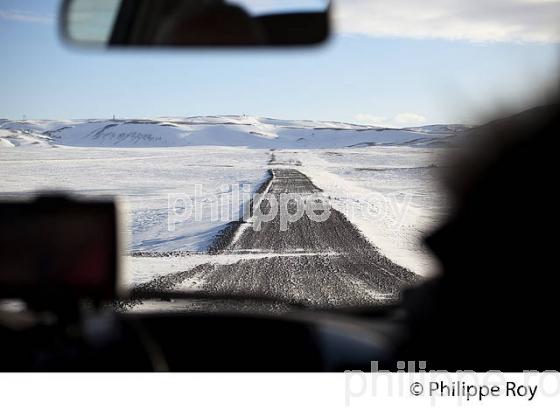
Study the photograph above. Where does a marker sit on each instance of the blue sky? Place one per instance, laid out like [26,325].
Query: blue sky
[393,76]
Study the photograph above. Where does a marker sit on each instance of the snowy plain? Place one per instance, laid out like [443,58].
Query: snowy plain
[384,181]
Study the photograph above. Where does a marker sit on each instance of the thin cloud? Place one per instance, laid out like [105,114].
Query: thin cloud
[473,20]
[26,17]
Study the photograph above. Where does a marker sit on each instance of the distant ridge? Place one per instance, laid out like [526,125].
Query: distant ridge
[228,130]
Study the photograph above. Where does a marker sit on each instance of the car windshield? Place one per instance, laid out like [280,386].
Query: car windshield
[307,175]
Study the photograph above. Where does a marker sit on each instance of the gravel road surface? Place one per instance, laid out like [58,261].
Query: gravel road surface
[325,264]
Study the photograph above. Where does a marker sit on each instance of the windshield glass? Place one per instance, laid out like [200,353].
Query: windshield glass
[306,175]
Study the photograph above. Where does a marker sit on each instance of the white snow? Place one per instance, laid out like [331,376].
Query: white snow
[383,180]
[144,178]
[390,193]
[253,132]
[16,138]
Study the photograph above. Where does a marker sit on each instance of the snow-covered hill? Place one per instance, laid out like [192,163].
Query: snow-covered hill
[252,132]
[16,138]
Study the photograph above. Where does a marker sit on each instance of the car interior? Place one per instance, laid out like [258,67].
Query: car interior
[65,307]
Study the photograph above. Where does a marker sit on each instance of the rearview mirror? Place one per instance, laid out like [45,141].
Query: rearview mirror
[108,23]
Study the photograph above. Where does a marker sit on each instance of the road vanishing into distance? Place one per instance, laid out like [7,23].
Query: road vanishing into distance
[324,264]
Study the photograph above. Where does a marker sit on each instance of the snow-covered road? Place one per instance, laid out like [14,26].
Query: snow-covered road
[381,179]
[324,262]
